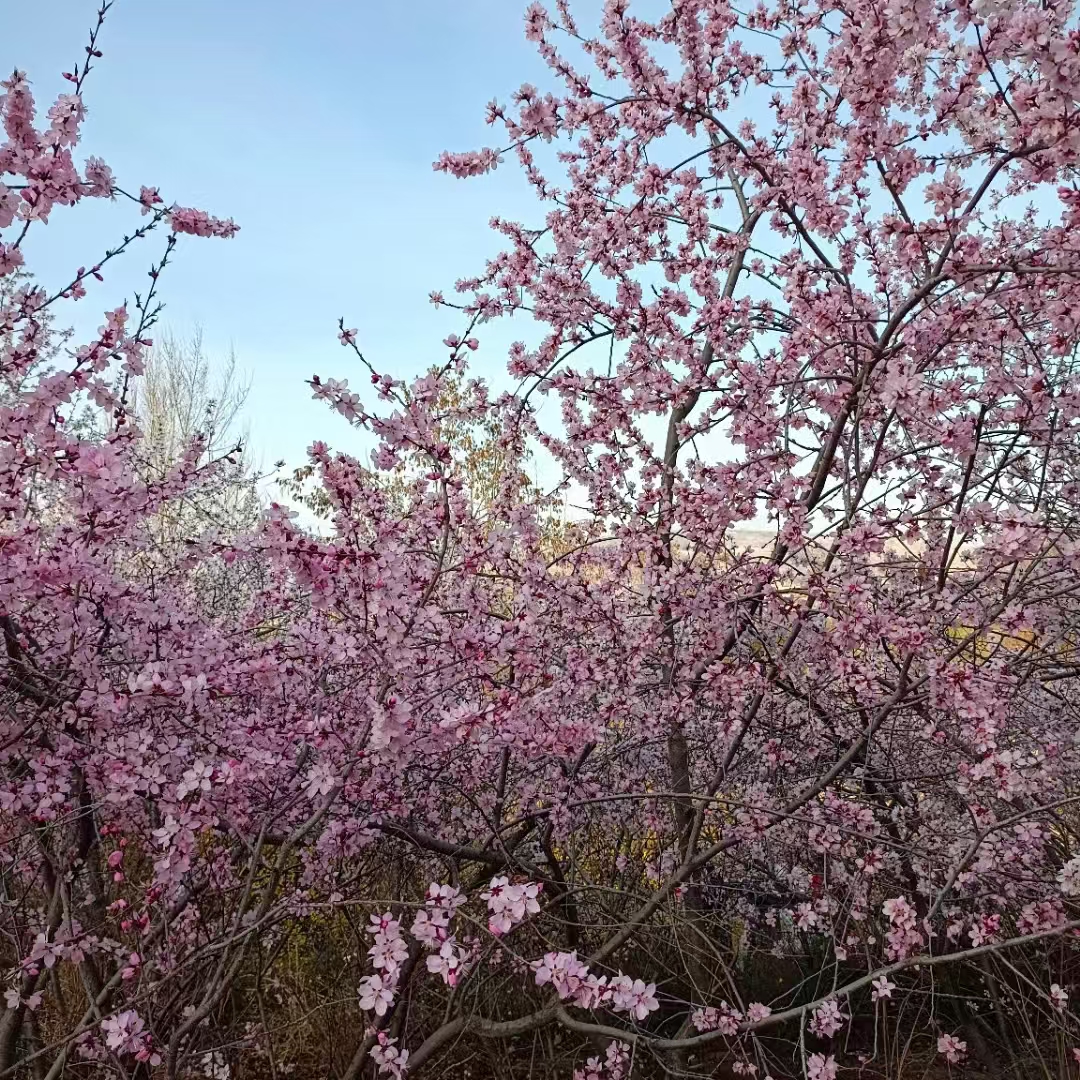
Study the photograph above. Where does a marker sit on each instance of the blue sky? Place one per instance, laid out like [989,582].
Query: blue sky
[315,127]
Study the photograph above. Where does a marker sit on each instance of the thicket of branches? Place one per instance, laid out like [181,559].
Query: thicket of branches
[452,787]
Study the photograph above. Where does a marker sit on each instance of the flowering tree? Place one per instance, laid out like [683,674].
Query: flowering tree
[831,253]
[655,802]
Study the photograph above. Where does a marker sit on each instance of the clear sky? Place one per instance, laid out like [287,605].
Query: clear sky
[313,125]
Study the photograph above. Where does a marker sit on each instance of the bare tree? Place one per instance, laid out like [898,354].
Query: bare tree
[184,397]
[189,408]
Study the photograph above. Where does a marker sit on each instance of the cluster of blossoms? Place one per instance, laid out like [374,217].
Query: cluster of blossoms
[614,1065]
[1035,918]
[448,958]
[984,928]
[387,954]
[821,1067]
[954,1049]
[1069,877]
[903,936]
[431,923]
[390,1059]
[572,981]
[827,1019]
[726,1018]
[510,904]
[185,219]
[45,160]
[124,1034]
[431,927]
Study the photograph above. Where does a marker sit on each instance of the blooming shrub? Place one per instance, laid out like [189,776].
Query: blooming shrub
[635,777]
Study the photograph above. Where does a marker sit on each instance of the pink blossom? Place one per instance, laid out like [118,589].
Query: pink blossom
[953,1048]
[472,163]
[633,996]
[510,904]
[390,1059]
[821,1067]
[376,993]
[430,927]
[756,1012]
[199,223]
[563,971]
[99,178]
[149,197]
[124,1034]
[447,962]
[1069,877]
[827,1019]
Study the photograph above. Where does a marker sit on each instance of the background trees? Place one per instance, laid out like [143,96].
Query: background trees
[183,395]
[635,792]
[184,399]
